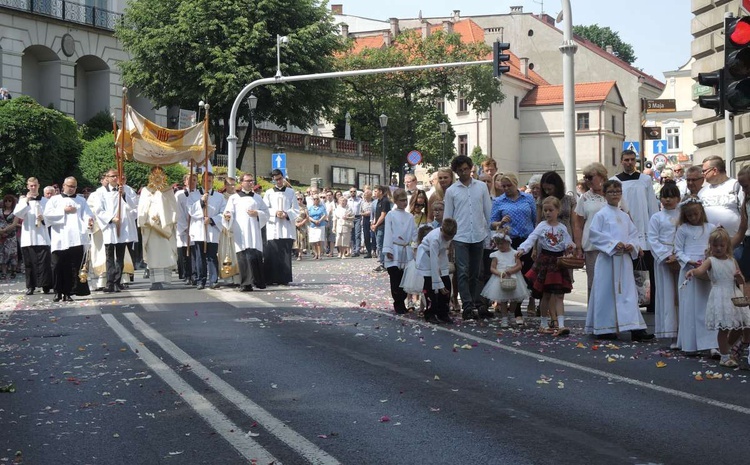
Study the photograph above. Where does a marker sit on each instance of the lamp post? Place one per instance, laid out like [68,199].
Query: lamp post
[443,130]
[252,102]
[383,125]
[279,40]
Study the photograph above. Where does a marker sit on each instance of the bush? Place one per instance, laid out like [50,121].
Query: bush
[99,156]
[97,126]
[35,141]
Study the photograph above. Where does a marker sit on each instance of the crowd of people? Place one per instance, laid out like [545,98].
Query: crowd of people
[478,237]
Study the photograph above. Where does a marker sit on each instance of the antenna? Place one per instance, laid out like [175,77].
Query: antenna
[541,3]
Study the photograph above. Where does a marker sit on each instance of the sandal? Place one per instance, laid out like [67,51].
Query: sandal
[561,332]
[730,363]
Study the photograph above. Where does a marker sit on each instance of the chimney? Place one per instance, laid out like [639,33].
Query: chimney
[448,27]
[344,30]
[609,49]
[524,66]
[387,38]
[337,9]
[516,10]
[425,29]
[394,27]
[456,16]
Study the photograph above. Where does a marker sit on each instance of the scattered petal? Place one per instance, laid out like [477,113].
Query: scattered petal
[611,359]
[437,378]
[434,409]
[560,385]
[385,419]
[580,345]
[660,364]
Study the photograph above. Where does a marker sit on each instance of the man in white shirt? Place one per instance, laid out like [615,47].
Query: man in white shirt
[721,195]
[410,184]
[34,239]
[355,205]
[206,216]
[468,202]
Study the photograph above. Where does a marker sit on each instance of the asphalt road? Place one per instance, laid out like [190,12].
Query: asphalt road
[322,372]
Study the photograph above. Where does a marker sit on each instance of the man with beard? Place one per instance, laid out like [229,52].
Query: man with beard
[245,214]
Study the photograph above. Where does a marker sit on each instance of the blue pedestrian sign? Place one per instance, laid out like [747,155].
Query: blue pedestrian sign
[278,162]
[633,145]
[660,146]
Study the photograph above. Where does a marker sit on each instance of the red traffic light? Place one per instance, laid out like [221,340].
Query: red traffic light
[739,31]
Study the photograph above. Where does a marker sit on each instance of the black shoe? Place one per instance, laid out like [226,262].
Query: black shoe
[214,285]
[607,336]
[485,314]
[46,290]
[67,298]
[201,286]
[379,269]
[156,287]
[468,315]
[638,335]
[120,287]
[57,298]
[30,291]
[355,255]
[246,289]
[109,289]
[445,319]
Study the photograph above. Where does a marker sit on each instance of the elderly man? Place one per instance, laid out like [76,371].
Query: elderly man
[283,210]
[721,196]
[70,220]
[34,238]
[638,194]
[693,182]
[354,202]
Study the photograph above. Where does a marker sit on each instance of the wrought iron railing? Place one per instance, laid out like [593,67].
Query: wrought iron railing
[67,11]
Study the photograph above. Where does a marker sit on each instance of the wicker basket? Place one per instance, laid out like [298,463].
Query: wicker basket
[741,301]
[508,284]
[571,262]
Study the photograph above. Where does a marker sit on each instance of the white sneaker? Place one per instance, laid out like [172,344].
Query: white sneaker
[504,322]
[519,321]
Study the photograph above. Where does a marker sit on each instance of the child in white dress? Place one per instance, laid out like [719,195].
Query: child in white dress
[661,232]
[400,234]
[505,265]
[721,313]
[690,247]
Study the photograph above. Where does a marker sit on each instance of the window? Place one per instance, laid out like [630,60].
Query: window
[583,121]
[614,124]
[316,169]
[463,144]
[516,103]
[342,175]
[673,138]
[614,157]
[440,105]
[463,106]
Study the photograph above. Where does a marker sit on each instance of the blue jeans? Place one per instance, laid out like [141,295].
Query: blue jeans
[379,236]
[356,234]
[369,235]
[468,263]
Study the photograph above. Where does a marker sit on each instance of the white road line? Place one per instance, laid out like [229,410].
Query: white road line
[242,299]
[249,449]
[278,428]
[334,302]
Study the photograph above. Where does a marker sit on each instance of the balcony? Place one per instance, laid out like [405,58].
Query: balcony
[67,11]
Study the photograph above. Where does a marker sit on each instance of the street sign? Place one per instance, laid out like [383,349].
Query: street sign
[278,162]
[414,157]
[660,105]
[651,132]
[660,161]
[660,146]
[746,6]
[633,145]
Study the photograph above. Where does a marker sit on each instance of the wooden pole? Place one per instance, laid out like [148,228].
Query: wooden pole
[119,159]
[205,177]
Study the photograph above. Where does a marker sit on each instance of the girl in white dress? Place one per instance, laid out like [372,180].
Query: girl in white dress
[504,265]
[690,247]
[661,231]
[721,313]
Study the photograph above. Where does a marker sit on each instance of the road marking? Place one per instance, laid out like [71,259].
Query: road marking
[334,302]
[242,300]
[246,446]
[278,428]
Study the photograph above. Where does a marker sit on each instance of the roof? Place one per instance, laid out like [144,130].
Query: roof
[584,93]
[362,43]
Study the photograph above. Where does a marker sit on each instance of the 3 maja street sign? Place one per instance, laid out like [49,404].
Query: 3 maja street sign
[660,105]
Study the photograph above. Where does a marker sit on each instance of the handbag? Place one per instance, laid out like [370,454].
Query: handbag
[642,282]
[570,262]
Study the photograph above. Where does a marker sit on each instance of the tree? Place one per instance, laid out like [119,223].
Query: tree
[35,141]
[191,50]
[603,36]
[409,99]
[99,156]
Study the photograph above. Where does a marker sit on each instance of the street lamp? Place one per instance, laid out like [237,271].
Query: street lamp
[252,102]
[383,125]
[279,40]
[443,130]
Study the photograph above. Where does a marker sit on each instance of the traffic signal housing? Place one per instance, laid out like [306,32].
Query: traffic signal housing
[712,102]
[499,58]
[736,75]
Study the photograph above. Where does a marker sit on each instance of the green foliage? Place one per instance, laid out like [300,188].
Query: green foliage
[99,156]
[98,125]
[603,36]
[409,99]
[35,141]
[477,157]
[191,50]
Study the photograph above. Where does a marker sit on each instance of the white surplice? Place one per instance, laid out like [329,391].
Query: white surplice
[641,203]
[400,234]
[281,200]
[690,244]
[613,304]
[67,229]
[111,204]
[246,229]
[199,231]
[661,233]
[33,231]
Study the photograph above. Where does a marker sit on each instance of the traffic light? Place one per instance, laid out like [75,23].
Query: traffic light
[712,102]
[736,76]
[499,57]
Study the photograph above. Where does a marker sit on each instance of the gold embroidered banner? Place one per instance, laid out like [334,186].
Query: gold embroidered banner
[147,142]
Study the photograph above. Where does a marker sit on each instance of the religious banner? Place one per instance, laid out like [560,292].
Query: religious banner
[147,142]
